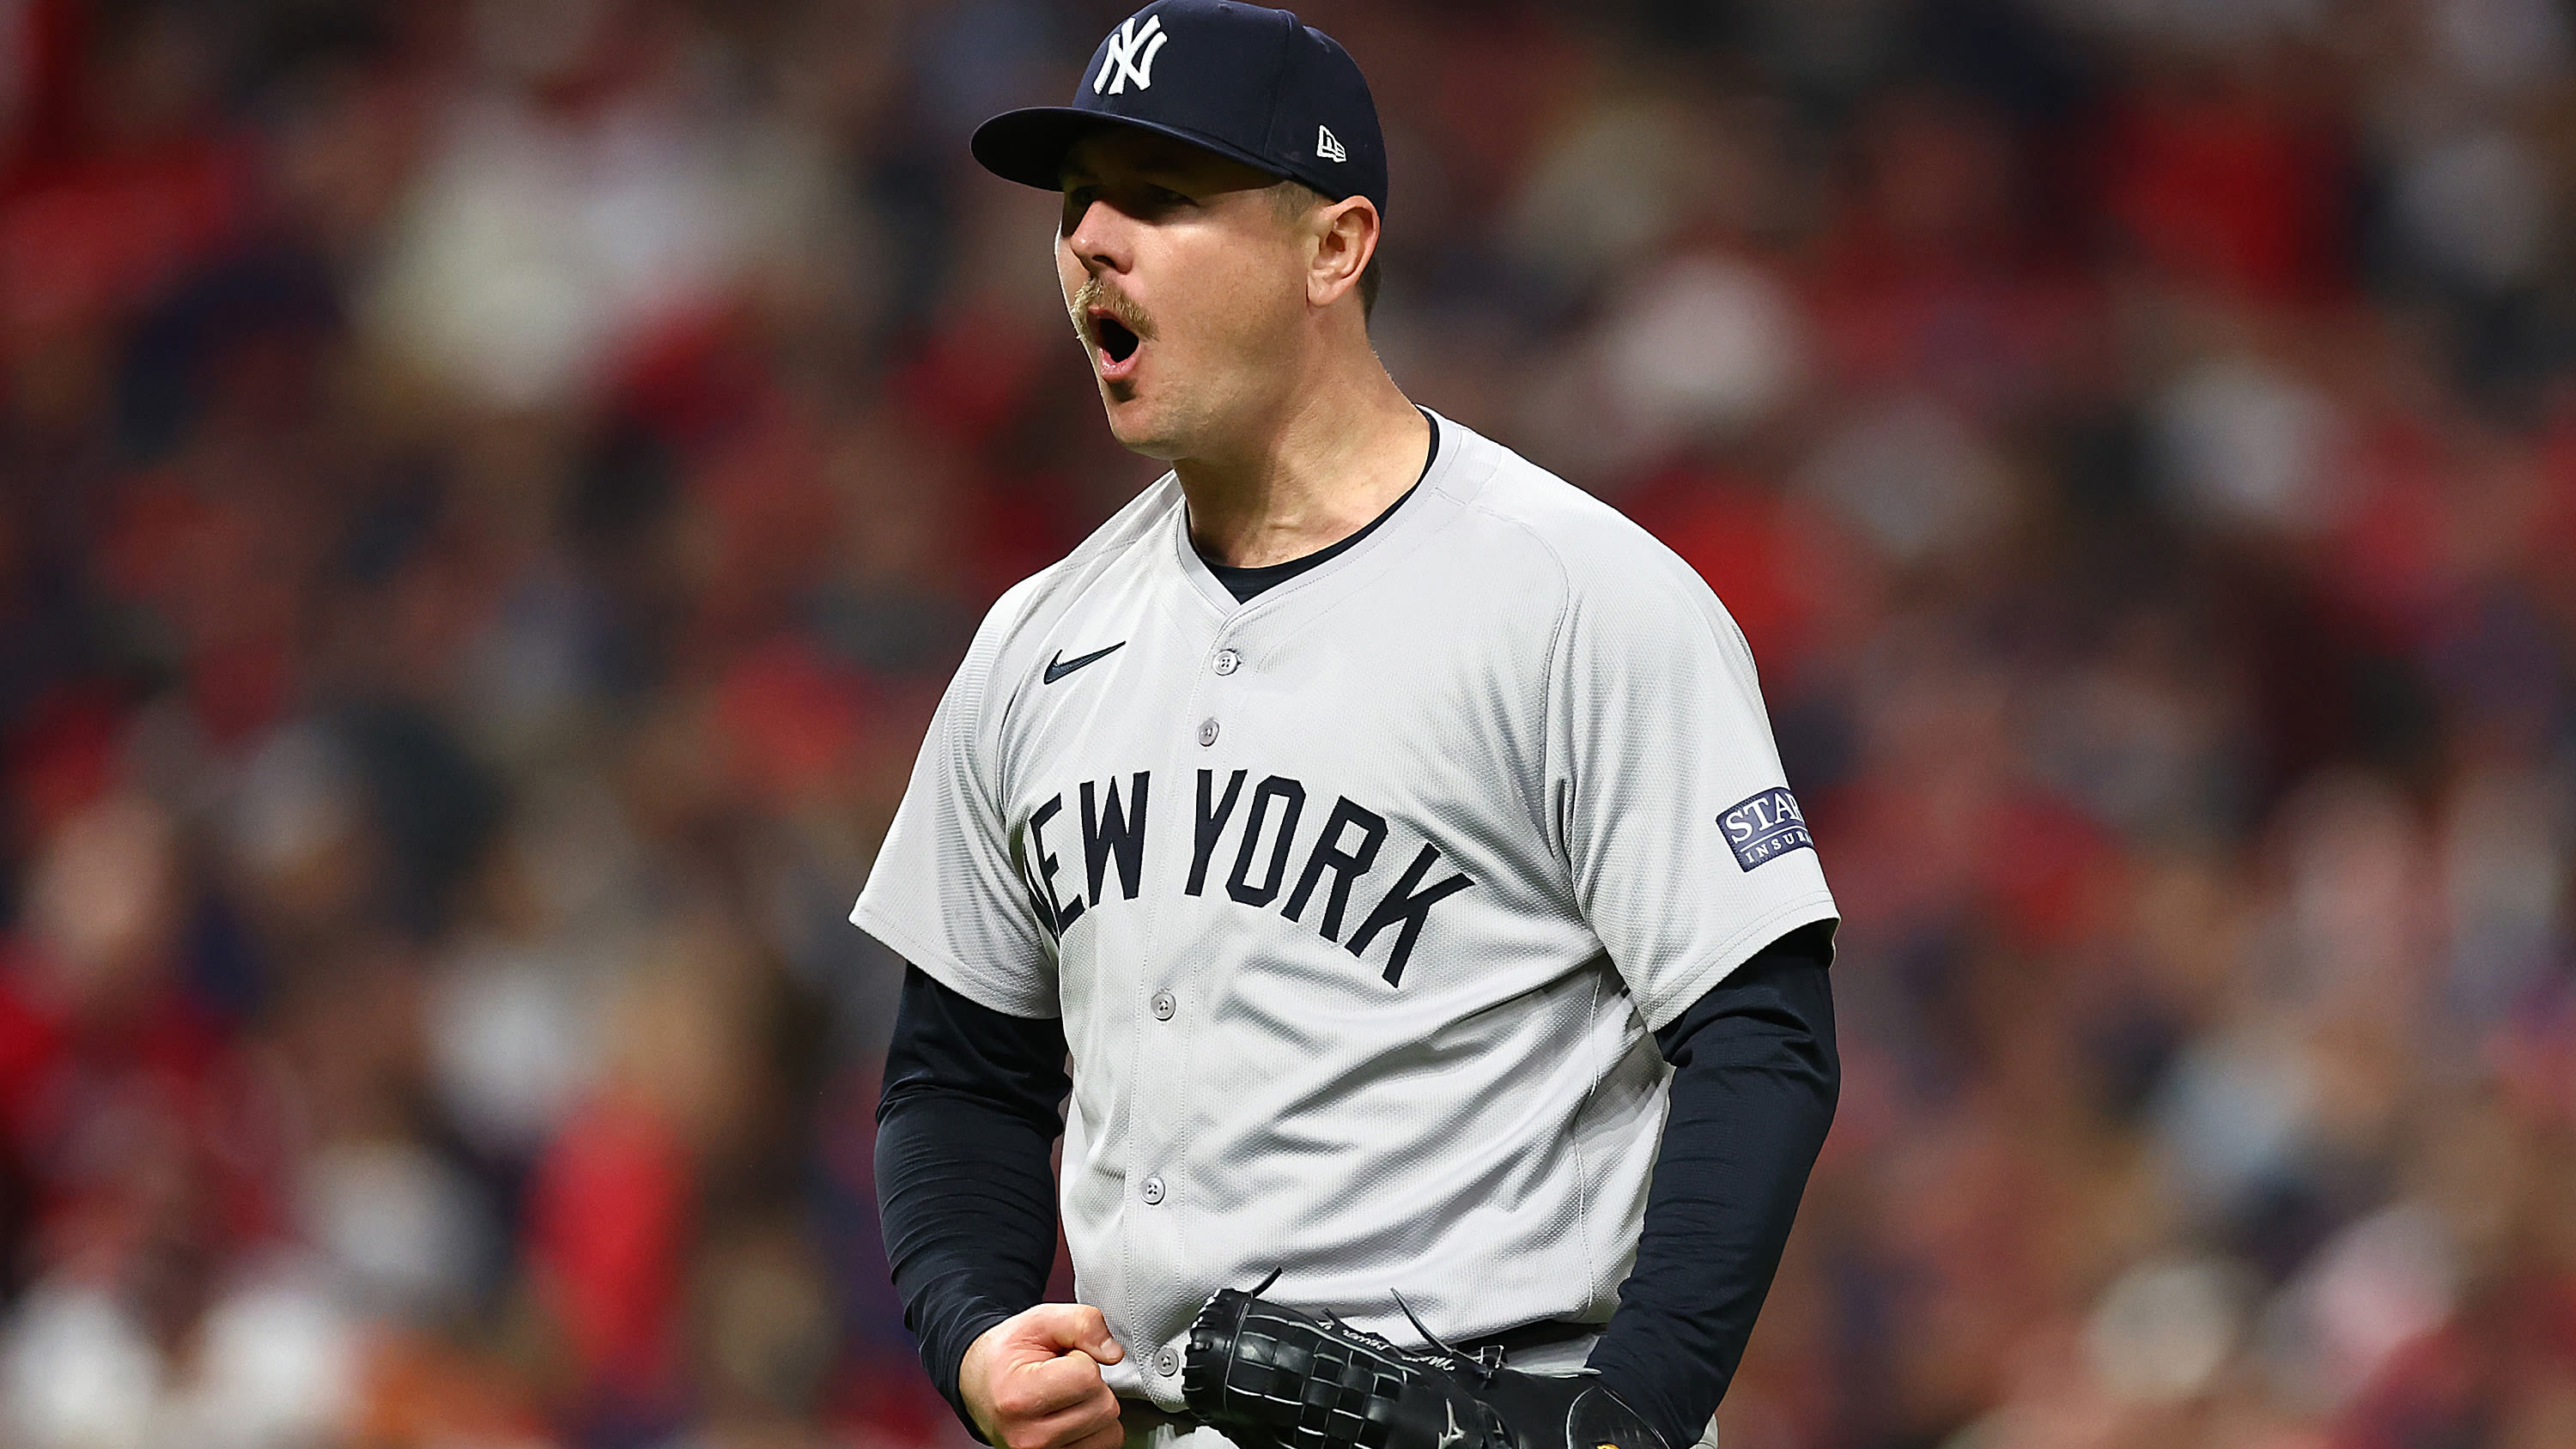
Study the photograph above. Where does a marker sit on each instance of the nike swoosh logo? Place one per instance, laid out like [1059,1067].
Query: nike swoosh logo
[1060,666]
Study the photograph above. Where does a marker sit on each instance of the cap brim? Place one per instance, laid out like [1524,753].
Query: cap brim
[1029,145]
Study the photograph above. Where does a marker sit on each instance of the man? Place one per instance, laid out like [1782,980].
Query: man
[1390,834]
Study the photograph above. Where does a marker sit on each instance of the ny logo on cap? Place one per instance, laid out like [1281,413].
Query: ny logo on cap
[1124,45]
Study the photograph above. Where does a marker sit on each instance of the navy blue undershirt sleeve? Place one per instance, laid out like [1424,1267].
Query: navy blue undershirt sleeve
[1755,1078]
[966,1129]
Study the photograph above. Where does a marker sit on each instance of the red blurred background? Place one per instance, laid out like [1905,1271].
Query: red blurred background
[490,491]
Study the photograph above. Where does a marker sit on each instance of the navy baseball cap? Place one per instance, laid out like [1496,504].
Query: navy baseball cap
[1240,80]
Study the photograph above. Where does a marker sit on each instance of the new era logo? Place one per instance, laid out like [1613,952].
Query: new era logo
[1765,827]
[1131,56]
[1329,146]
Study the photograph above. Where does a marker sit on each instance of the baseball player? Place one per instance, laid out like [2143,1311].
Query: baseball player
[1366,850]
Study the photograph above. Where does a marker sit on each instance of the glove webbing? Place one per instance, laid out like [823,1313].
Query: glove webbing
[1308,1385]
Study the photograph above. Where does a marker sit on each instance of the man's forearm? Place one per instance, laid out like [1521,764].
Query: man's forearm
[965,1185]
[1755,1078]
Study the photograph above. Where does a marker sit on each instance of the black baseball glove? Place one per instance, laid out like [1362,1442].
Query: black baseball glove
[1271,1377]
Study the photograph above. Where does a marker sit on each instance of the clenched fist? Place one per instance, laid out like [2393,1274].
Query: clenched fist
[1032,1381]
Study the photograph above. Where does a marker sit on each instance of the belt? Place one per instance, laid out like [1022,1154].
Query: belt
[1546,1333]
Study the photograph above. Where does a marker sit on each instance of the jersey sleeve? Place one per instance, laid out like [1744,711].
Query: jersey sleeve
[946,893]
[1687,851]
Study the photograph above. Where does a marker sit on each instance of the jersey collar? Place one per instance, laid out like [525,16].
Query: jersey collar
[1452,479]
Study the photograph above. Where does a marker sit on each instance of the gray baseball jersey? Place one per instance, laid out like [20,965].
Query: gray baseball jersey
[1358,900]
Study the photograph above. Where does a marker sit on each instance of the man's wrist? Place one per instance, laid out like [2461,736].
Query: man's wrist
[1636,1386]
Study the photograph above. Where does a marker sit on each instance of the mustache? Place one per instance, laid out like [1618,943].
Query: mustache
[1096,294]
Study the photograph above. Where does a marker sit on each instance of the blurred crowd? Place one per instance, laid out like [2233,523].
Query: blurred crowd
[490,491]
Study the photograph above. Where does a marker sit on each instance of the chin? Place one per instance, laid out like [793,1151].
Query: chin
[1142,427]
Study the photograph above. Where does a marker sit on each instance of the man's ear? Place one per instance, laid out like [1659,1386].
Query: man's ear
[1346,234]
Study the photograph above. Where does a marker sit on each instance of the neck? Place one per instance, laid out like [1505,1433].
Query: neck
[1335,455]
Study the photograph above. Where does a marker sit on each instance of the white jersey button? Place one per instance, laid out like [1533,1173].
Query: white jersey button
[1207,732]
[1166,1362]
[1227,661]
[1153,1191]
[1164,1006]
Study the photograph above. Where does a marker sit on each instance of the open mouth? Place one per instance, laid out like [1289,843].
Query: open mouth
[1117,341]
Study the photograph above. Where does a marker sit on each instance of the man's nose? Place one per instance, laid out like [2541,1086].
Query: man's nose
[1099,238]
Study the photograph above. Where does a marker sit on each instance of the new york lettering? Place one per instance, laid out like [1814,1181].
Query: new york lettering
[1110,832]
[1264,820]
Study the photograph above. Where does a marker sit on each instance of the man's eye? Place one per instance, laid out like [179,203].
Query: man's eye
[1165,196]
